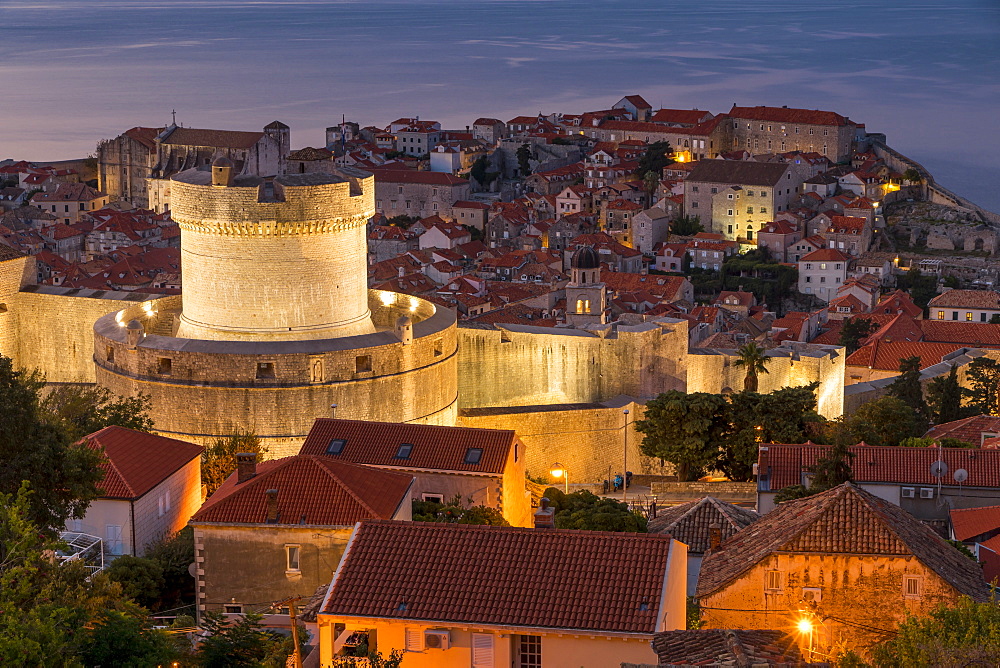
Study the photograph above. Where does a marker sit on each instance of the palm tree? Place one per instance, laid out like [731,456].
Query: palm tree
[755,360]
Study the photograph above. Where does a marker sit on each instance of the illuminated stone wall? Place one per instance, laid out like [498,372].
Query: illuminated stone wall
[263,265]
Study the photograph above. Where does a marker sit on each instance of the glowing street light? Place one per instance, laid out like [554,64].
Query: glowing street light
[559,471]
[805,625]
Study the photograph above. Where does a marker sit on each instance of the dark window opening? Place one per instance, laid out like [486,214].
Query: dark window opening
[404,451]
[473,455]
[110,354]
[163,365]
[362,363]
[336,446]
[265,369]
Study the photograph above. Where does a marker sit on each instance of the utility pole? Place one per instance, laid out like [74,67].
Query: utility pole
[290,602]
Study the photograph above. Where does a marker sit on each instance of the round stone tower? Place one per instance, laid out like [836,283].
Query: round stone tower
[273,260]
[275,324]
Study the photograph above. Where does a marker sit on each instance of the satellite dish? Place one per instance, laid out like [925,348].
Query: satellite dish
[961,475]
[939,469]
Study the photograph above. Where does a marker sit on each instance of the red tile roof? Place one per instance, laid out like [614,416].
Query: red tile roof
[971,522]
[529,578]
[845,520]
[722,647]
[413,176]
[898,302]
[434,447]
[974,334]
[977,299]
[467,204]
[785,115]
[885,464]
[311,490]
[824,255]
[846,225]
[679,116]
[136,461]
[213,138]
[690,522]
[970,429]
[885,355]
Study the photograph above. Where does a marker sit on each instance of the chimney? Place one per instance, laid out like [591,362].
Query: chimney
[762,468]
[272,506]
[714,536]
[545,517]
[333,411]
[246,466]
[400,271]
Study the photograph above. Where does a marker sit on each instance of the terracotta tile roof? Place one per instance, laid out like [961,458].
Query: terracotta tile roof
[970,429]
[467,204]
[664,287]
[723,647]
[886,355]
[824,255]
[638,101]
[145,136]
[434,447]
[386,175]
[978,299]
[779,227]
[487,121]
[785,115]
[975,334]
[882,464]
[843,520]
[472,574]
[898,302]
[968,523]
[136,461]
[213,138]
[738,172]
[846,225]
[311,490]
[69,192]
[690,522]
[679,116]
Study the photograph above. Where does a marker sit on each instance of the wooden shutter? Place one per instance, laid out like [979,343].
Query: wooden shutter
[414,640]
[482,650]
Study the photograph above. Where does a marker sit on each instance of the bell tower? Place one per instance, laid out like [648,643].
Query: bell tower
[586,296]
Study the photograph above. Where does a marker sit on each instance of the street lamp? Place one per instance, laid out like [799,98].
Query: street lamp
[625,461]
[559,471]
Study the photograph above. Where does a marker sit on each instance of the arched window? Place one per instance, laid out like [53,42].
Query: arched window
[579,306]
[586,306]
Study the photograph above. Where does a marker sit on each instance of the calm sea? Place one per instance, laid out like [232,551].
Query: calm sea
[925,72]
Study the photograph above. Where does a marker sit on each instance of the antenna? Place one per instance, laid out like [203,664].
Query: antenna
[939,469]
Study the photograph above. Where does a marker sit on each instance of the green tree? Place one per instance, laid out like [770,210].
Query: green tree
[944,398]
[454,512]
[686,226]
[983,376]
[241,641]
[907,388]
[218,460]
[141,579]
[853,332]
[656,157]
[685,430]
[920,442]
[587,511]
[63,475]
[779,417]
[831,470]
[950,636]
[524,156]
[119,640]
[921,288]
[480,171]
[912,175]
[84,410]
[175,554]
[884,421]
[754,359]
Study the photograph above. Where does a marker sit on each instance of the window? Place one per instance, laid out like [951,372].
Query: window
[433,498]
[404,451]
[982,317]
[772,581]
[968,316]
[400,190]
[113,538]
[473,455]
[163,365]
[730,195]
[233,609]
[749,209]
[109,353]
[694,205]
[362,363]
[763,209]
[694,189]
[809,279]
[715,190]
[438,347]
[291,558]
[166,500]
[822,265]
[911,586]
[729,212]
[954,315]
[265,369]
[529,652]
[809,265]
[335,446]
[482,650]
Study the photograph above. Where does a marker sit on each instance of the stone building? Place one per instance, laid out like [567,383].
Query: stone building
[965,305]
[400,192]
[69,200]
[822,272]
[780,129]
[586,296]
[850,563]
[489,130]
[137,165]
[739,197]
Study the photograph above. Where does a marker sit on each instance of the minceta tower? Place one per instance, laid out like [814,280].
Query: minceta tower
[276,325]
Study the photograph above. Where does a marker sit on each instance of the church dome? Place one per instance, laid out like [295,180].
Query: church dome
[585,258]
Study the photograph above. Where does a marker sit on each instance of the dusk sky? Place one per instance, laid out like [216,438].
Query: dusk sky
[925,72]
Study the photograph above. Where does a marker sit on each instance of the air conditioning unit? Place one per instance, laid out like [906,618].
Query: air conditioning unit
[812,594]
[909,492]
[437,639]
[926,492]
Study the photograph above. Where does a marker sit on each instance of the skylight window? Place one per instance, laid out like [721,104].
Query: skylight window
[404,451]
[336,446]
[473,455]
